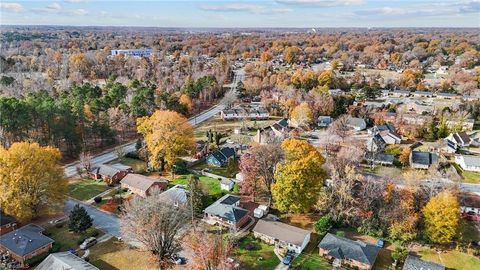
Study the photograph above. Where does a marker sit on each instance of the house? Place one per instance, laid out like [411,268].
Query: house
[147,52]
[460,139]
[387,132]
[226,212]
[422,94]
[468,163]
[375,144]
[201,149]
[381,158]
[470,206]
[7,223]
[422,160]
[226,184]
[141,185]
[356,123]
[110,173]
[252,111]
[400,93]
[176,195]
[25,243]
[447,95]
[282,235]
[63,261]
[466,125]
[274,133]
[221,157]
[415,263]
[324,121]
[349,252]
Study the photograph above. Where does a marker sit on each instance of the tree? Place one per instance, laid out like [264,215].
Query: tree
[323,225]
[405,156]
[210,251]
[195,196]
[299,178]
[340,127]
[79,220]
[31,180]
[442,216]
[167,135]
[302,115]
[258,168]
[154,224]
[290,54]
[187,102]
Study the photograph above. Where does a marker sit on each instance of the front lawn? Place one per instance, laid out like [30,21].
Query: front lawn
[137,165]
[113,254]
[255,254]
[310,259]
[224,171]
[67,239]
[85,189]
[211,186]
[471,177]
[453,259]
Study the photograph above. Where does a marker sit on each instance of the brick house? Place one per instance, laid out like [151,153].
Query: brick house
[226,212]
[25,243]
[141,185]
[110,173]
[344,251]
[7,223]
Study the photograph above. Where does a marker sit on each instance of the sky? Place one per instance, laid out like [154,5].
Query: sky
[244,13]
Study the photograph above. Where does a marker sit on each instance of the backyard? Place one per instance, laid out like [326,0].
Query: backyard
[85,189]
[254,254]
[226,171]
[310,259]
[67,239]
[113,254]
[211,186]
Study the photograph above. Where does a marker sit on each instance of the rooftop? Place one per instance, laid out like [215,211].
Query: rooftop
[139,181]
[343,248]
[281,231]
[64,260]
[415,263]
[25,240]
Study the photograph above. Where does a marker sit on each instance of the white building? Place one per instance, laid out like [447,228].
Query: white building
[468,163]
[282,235]
[132,52]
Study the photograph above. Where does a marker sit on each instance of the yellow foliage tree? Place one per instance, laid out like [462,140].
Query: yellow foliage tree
[302,115]
[186,101]
[31,180]
[442,217]
[299,179]
[266,56]
[167,135]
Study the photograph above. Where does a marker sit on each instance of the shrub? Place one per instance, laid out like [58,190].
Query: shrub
[98,199]
[92,232]
[400,253]
[125,190]
[55,248]
[324,224]
[340,233]
[180,167]
[81,240]
[36,260]
[59,225]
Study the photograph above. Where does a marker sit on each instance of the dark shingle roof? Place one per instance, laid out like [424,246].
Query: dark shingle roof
[6,219]
[343,248]
[281,231]
[25,240]
[415,263]
[283,123]
[106,170]
[225,209]
[424,158]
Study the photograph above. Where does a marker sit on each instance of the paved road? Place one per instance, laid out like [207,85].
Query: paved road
[108,223]
[109,155]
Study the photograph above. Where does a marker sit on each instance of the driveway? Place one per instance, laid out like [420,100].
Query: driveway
[108,223]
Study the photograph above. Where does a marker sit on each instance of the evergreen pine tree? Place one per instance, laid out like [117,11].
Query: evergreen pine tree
[80,221]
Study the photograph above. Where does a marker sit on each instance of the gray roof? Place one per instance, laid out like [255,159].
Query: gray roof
[471,161]
[174,195]
[122,166]
[281,231]
[139,181]
[225,208]
[343,248]
[6,219]
[25,240]
[223,154]
[462,137]
[415,263]
[356,122]
[105,169]
[424,158]
[64,261]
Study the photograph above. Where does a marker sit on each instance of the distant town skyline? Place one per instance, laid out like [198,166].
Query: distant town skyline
[266,13]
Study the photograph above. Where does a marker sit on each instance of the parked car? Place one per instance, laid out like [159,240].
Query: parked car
[88,243]
[287,260]
[178,260]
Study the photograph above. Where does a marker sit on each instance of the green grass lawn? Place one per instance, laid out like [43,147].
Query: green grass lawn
[471,177]
[452,259]
[67,239]
[137,165]
[113,254]
[222,171]
[85,189]
[259,256]
[310,259]
[210,185]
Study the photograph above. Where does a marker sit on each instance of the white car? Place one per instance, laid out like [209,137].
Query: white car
[88,243]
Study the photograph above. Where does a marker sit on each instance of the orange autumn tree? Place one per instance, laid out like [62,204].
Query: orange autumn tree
[167,135]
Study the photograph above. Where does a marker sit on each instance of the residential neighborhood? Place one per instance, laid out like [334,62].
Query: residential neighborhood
[239,135]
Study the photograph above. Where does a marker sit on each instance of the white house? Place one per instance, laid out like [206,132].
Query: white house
[282,235]
[468,163]
[357,123]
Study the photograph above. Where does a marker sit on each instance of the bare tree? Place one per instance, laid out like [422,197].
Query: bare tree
[85,161]
[340,127]
[156,225]
[210,251]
